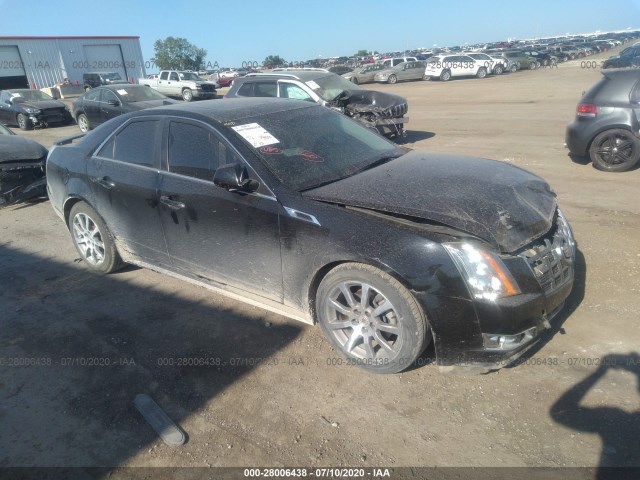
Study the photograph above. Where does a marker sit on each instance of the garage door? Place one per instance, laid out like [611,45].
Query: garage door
[12,74]
[105,58]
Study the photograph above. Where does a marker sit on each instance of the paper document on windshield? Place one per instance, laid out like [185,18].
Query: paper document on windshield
[256,135]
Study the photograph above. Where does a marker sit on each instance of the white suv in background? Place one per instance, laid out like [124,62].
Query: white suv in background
[495,66]
[446,67]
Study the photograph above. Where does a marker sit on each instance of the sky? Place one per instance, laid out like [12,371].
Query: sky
[249,30]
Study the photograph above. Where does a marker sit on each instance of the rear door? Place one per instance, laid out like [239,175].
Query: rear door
[110,105]
[230,238]
[124,175]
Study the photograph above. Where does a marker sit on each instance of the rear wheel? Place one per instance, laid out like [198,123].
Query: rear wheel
[83,123]
[482,72]
[371,318]
[92,239]
[514,68]
[23,122]
[392,79]
[498,69]
[355,80]
[445,76]
[615,150]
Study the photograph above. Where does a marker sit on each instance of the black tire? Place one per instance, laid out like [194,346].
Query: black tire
[514,68]
[392,79]
[83,123]
[445,76]
[498,69]
[23,122]
[355,80]
[98,250]
[187,95]
[532,65]
[482,72]
[384,342]
[615,150]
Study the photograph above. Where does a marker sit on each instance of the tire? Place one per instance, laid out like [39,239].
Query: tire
[23,122]
[384,342]
[355,80]
[445,76]
[545,63]
[615,150]
[83,123]
[92,239]
[427,77]
[482,72]
[392,79]
[532,65]
[498,69]
[187,95]
[514,68]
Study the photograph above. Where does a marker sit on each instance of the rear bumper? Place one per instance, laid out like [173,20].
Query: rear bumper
[577,138]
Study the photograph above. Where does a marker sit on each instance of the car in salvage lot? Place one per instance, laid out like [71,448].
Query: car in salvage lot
[364,74]
[401,72]
[445,67]
[607,123]
[318,218]
[103,103]
[29,109]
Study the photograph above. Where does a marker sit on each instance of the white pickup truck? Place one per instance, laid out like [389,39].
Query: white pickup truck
[187,85]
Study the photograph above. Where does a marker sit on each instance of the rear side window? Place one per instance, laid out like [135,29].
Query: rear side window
[92,95]
[136,144]
[193,150]
[164,76]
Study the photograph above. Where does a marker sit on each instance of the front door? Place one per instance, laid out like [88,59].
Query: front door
[226,237]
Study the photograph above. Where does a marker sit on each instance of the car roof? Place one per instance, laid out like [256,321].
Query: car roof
[118,86]
[232,109]
[302,75]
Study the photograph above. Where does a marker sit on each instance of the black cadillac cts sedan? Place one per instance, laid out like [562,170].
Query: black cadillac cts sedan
[300,210]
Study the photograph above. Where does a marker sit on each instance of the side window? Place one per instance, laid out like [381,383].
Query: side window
[193,150]
[265,89]
[174,77]
[108,96]
[164,76]
[92,95]
[246,90]
[4,98]
[290,90]
[135,144]
[396,61]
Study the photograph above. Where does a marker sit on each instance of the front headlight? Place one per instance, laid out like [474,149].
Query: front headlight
[565,229]
[483,271]
[32,111]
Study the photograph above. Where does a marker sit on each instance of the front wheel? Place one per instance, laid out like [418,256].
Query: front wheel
[371,318]
[187,95]
[392,79]
[615,150]
[23,122]
[514,68]
[355,80]
[92,239]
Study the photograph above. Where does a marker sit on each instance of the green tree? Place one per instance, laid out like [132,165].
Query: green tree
[273,61]
[362,53]
[178,54]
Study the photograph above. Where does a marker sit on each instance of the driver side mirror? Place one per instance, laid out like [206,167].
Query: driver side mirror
[234,178]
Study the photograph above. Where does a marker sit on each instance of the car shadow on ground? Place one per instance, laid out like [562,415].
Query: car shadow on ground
[413,136]
[76,348]
[618,428]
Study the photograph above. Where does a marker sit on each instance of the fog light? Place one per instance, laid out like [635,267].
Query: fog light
[493,341]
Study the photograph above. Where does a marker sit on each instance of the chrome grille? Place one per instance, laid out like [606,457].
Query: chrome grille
[396,111]
[551,261]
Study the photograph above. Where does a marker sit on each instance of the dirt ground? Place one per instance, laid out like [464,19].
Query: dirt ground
[75,348]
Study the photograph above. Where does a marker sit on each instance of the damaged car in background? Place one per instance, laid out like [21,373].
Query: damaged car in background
[30,109]
[22,168]
[381,111]
[313,216]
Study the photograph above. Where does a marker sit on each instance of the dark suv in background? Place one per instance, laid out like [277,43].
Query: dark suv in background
[629,57]
[97,79]
[607,123]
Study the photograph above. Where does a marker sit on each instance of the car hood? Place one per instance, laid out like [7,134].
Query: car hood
[42,105]
[14,147]
[502,204]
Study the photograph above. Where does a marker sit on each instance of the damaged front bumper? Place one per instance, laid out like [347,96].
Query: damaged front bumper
[21,181]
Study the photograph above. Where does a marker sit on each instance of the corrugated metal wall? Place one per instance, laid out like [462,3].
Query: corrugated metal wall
[49,61]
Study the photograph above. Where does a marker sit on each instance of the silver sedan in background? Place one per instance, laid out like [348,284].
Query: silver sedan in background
[402,71]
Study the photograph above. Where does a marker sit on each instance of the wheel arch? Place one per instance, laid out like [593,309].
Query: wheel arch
[609,127]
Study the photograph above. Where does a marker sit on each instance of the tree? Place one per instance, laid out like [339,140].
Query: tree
[362,53]
[273,61]
[178,54]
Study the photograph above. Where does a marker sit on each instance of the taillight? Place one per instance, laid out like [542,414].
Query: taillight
[587,110]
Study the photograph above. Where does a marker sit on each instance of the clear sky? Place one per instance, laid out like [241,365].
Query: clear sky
[249,30]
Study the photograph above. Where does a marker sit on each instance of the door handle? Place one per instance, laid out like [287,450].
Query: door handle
[105,182]
[172,204]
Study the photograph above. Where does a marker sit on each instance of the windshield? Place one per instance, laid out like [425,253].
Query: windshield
[309,147]
[30,96]
[111,76]
[189,76]
[137,93]
[329,87]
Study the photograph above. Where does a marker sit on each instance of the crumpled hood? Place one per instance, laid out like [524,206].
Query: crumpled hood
[371,100]
[14,147]
[43,105]
[502,204]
